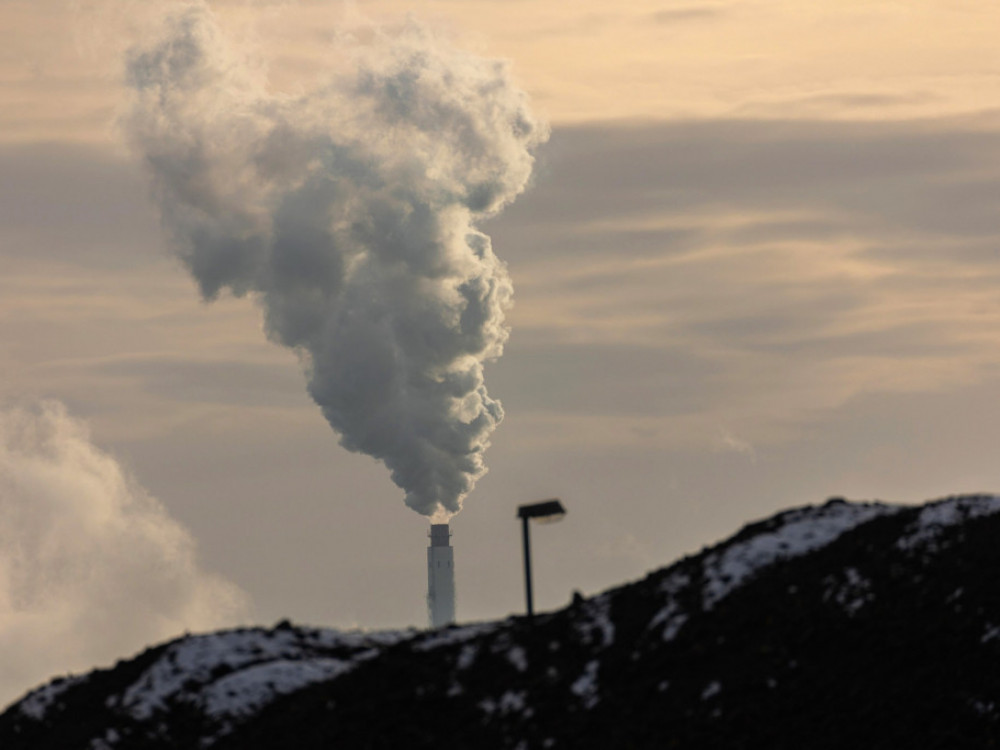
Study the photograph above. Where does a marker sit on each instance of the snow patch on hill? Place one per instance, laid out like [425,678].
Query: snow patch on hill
[234,673]
[802,531]
[934,519]
[451,636]
[796,533]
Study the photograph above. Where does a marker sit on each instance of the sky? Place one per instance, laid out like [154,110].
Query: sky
[756,266]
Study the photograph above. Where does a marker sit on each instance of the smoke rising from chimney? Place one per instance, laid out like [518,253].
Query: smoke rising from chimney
[349,214]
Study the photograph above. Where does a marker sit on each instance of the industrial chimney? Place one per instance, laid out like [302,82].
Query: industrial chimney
[440,577]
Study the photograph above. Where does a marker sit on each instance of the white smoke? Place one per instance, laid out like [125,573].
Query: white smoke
[90,565]
[350,214]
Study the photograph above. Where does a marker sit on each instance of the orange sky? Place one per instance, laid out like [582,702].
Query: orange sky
[580,61]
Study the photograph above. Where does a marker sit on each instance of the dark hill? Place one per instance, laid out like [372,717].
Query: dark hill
[843,626]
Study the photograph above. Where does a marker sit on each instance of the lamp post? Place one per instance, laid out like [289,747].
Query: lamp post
[547,511]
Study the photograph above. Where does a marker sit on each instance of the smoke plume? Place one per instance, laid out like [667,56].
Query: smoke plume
[349,213]
[90,564]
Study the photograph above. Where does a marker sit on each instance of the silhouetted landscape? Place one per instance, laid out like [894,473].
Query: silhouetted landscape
[841,625]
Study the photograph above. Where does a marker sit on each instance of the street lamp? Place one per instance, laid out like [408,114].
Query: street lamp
[547,511]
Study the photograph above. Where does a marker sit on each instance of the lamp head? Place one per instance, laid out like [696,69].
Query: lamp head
[547,511]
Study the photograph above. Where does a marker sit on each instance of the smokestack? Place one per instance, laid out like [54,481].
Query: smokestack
[440,577]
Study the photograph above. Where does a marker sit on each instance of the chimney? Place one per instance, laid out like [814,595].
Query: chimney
[440,577]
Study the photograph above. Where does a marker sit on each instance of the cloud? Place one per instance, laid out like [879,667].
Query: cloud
[81,203]
[746,273]
[91,566]
[841,105]
[605,379]
[771,271]
[728,442]
[216,381]
[671,169]
[692,13]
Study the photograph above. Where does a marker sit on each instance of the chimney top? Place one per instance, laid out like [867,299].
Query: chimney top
[440,535]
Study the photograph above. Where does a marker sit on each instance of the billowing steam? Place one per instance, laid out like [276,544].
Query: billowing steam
[90,564]
[350,213]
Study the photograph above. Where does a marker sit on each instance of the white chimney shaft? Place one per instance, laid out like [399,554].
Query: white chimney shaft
[440,577]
